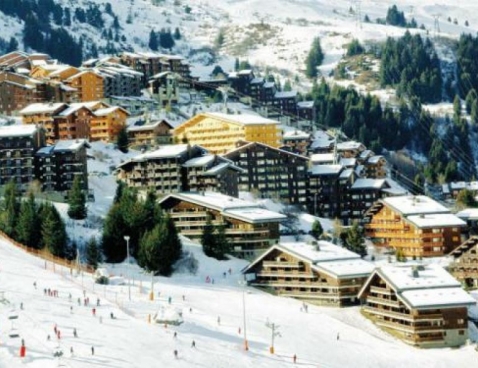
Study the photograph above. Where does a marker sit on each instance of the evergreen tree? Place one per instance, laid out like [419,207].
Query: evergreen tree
[119,191]
[395,17]
[314,59]
[208,240]
[177,34]
[114,230]
[29,224]
[11,209]
[122,140]
[153,41]
[355,48]
[236,65]
[53,231]
[76,200]
[466,199]
[93,254]
[223,247]
[12,45]
[355,240]
[316,230]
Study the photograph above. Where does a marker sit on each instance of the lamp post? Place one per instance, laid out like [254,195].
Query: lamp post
[127,237]
[244,283]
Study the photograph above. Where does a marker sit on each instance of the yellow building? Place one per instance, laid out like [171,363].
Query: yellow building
[218,132]
[43,114]
[107,123]
[54,71]
[89,85]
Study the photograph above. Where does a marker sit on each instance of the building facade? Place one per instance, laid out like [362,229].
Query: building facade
[179,168]
[423,305]
[18,145]
[417,226]
[249,228]
[465,262]
[220,132]
[271,172]
[319,273]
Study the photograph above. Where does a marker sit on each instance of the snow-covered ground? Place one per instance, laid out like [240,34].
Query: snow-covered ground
[130,341]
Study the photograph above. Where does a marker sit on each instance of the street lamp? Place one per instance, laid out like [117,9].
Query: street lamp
[244,283]
[127,237]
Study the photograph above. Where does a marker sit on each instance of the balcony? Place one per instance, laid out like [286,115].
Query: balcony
[280,264]
[383,301]
[380,290]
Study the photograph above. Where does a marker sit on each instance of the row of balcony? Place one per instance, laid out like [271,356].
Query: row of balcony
[403,316]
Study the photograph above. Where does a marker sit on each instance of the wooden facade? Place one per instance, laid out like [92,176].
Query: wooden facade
[417,232]
[465,262]
[300,271]
[424,306]
[178,168]
[150,133]
[272,172]
[249,228]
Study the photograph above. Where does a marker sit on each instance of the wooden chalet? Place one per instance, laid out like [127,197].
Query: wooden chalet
[416,225]
[423,305]
[465,262]
[150,133]
[249,228]
[320,273]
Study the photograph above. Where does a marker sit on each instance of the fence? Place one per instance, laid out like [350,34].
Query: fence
[44,254]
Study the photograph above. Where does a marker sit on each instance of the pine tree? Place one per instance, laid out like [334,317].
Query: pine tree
[317,229]
[76,201]
[314,59]
[177,34]
[208,239]
[122,140]
[153,41]
[29,224]
[11,209]
[223,247]
[12,45]
[466,199]
[355,240]
[93,255]
[53,231]
[114,230]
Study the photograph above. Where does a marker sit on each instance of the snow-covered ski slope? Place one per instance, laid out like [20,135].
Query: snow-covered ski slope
[130,341]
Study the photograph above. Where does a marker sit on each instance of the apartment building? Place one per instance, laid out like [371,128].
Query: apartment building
[423,305]
[320,272]
[249,228]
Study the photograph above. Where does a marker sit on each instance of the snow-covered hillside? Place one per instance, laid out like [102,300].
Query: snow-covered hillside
[130,341]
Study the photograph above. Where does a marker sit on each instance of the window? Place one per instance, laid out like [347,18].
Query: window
[460,321]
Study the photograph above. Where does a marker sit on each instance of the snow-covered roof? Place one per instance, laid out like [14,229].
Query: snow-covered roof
[108,110]
[325,169]
[375,159]
[324,257]
[401,278]
[423,287]
[17,130]
[473,185]
[285,94]
[395,188]
[243,119]
[257,80]
[324,251]
[320,158]
[346,268]
[436,220]
[199,161]
[295,134]
[350,145]
[348,162]
[413,205]
[366,183]
[269,85]
[366,153]
[345,174]
[321,140]
[229,206]
[72,109]
[305,104]
[167,151]
[436,298]
[468,214]
[42,108]
[150,126]
[70,145]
